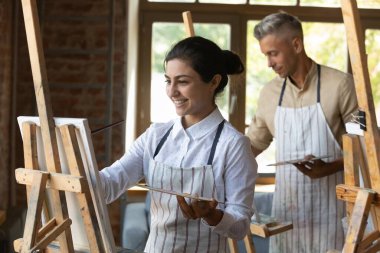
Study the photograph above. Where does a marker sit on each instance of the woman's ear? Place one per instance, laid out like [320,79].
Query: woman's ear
[215,81]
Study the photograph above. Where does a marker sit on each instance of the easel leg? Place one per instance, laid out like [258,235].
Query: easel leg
[34,210]
[248,242]
[358,221]
[29,133]
[232,244]
[87,208]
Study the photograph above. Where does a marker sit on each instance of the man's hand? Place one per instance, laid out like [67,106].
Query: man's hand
[200,209]
[318,168]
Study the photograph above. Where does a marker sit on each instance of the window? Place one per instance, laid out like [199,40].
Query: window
[273,2]
[317,3]
[230,24]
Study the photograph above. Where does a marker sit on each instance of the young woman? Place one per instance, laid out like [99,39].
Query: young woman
[198,153]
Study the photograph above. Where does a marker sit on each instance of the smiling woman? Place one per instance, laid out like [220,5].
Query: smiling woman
[198,153]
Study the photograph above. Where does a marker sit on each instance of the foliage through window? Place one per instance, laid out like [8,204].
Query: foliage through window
[373,58]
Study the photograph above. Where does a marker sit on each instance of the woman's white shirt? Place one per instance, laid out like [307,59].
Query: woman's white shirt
[234,165]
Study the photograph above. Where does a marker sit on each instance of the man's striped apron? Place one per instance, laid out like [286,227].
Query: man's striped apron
[311,204]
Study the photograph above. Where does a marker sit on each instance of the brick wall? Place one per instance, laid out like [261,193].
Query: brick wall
[85,69]
[5,98]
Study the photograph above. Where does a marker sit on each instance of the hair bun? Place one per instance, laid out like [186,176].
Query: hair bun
[233,64]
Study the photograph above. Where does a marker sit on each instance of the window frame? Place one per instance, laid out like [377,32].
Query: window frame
[237,15]
[147,19]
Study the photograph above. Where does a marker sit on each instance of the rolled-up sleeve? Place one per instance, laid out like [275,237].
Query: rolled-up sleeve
[348,103]
[259,131]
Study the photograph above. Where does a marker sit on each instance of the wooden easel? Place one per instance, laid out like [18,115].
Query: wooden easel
[361,201]
[37,236]
[265,227]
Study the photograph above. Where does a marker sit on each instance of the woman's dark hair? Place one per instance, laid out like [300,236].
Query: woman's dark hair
[207,59]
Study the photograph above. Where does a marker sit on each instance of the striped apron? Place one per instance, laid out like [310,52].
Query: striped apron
[170,231]
[310,204]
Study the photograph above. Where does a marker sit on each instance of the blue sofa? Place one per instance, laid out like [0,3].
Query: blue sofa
[135,223]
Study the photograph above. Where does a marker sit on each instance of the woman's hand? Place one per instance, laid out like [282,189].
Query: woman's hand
[200,209]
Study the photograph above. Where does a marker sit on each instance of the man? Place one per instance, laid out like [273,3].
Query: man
[304,109]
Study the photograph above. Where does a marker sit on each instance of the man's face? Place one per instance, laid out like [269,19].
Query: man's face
[281,54]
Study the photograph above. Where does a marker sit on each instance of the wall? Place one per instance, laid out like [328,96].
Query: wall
[5,98]
[84,48]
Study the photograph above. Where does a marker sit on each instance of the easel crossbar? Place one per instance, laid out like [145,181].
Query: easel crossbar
[56,181]
[349,193]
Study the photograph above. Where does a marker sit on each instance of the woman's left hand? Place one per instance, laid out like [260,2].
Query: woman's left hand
[200,209]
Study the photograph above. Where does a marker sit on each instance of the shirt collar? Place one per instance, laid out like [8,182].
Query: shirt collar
[309,79]
[312,73]
[201,128]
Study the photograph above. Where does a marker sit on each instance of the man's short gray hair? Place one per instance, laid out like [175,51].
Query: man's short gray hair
[277,23]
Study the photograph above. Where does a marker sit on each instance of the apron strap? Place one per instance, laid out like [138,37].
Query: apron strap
[162,141]
[216,139]
[319,84]
[282,92]
[318,87]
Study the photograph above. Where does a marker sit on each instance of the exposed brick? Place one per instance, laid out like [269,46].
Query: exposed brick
[77,8]
[5,100]
[74,34]
[76,45]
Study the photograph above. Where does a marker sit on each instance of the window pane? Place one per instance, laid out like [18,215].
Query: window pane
[336,3]
[223,1]
[368,3]
[320,3]
[173,1]
[164,35]
[274,2]
[372,49]
[323,43]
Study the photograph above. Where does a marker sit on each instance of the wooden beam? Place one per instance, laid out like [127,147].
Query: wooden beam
[351,165]
[349,193]
[355,41]
[51,235]
[56,181]
[233,246]
[248,242]
[46,229]
[29,134]
[86,205]
[368,240]
[33,215]
[358,220]
[188,21]
[37,61]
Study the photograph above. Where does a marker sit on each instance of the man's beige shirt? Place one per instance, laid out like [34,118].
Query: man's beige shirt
[338,101]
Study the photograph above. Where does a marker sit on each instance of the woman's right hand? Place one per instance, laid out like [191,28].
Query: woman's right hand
[201,209]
